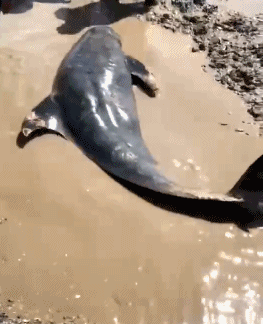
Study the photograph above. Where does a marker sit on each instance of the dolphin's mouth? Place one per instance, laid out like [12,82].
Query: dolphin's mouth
[31,123]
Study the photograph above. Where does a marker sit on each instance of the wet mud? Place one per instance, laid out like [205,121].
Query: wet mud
[232,42]
[76,246]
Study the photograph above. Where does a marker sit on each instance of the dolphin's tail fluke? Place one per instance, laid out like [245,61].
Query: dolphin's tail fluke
[250,188]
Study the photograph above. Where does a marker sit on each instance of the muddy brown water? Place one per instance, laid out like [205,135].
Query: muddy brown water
[77,243]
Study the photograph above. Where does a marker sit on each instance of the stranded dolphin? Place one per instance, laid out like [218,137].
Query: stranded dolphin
[93,105]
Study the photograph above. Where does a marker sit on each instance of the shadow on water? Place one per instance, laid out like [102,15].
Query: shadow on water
[222,212]
[103,12]
[100,13]
[244,214]
[21,6]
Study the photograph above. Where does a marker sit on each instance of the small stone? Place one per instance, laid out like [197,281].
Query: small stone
[223,124]
[200,29]
[240,130]
[167,26]
[186,31]
[192,19]
[233,76]
[249,64]
[150,16]
[247,87]
[257,109]
[210,8]
[220,64]
[217,77]
[214,40]
[202,47]
[166,16]
[260,53]
[195,49]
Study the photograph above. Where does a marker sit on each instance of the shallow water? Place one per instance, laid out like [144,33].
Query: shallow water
[77,243]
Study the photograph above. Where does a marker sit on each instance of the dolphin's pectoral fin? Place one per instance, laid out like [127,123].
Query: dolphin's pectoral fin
[45,117]
[141,76]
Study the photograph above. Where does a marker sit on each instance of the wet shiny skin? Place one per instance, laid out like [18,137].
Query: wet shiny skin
[93,104]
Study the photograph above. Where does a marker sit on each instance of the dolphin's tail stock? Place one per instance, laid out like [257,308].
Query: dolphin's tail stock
[242,205]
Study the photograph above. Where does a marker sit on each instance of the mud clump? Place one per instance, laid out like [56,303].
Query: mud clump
[231,41]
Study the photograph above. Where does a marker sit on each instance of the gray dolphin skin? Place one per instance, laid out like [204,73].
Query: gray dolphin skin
[92,104]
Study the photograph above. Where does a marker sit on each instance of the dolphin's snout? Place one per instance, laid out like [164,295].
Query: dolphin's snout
[31,123]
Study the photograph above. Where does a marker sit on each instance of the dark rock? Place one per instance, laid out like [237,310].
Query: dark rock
[200,29]
[195,48]
[202,47]
[210,9]
[257,110]
[251,47]
[165,17]
[199,2]
[260,53]
[223,52]
[220,64]
[192,19]
[149,3]
[233,75]
[224,79]
[184,6]
[245,87]
[249,64]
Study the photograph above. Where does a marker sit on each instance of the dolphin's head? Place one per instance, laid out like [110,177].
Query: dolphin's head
[104,31]
[43,118]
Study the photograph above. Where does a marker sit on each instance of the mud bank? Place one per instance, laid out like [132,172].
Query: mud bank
[232,43]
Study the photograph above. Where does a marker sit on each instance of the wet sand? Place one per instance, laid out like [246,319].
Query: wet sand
[77,243]
[249,8]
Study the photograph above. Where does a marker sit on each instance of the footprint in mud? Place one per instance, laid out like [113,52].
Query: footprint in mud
[15,62]
[10,64]
[12,80]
